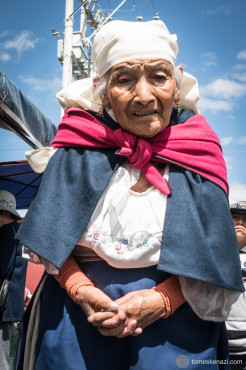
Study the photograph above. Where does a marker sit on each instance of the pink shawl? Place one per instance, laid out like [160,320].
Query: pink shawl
[192,145]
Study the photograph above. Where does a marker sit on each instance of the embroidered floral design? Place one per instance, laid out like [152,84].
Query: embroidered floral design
[118,246]
[142,237]
[96,236]
[140,241]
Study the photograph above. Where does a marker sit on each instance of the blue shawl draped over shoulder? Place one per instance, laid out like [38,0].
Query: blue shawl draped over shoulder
[198,239]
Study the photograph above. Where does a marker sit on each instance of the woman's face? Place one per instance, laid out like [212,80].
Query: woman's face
[141,93]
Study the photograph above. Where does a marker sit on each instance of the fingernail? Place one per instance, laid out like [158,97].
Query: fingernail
[114,306]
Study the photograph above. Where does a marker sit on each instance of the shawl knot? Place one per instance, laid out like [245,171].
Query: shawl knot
[139,152]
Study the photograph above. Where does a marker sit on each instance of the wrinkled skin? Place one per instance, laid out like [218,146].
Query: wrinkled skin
[141,93]
[128,315]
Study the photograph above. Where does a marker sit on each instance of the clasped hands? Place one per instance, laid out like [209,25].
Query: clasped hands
[128,315]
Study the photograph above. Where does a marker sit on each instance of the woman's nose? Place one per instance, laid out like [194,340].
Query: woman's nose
[143,92]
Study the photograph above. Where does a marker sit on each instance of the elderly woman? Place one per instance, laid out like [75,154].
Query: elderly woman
[131,219]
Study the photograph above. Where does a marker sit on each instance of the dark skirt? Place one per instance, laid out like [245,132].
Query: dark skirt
[67,341]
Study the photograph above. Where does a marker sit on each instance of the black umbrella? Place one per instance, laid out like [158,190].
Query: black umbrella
[18,178]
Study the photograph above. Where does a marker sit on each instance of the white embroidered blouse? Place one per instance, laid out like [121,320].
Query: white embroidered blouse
[126,227]
[126,230]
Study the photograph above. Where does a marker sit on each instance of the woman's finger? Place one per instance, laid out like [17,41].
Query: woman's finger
[99,317]
[106,304]
[131,327]
[96,299]
[114,332]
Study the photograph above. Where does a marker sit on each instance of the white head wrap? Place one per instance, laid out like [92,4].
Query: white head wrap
[119,41]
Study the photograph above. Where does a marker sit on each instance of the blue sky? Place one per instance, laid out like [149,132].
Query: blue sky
[212,46]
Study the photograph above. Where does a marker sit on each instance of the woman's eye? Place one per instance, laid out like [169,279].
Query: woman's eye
[160,77]
[123,80]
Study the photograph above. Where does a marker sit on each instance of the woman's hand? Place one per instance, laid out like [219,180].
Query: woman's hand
[136,310]
[93,300]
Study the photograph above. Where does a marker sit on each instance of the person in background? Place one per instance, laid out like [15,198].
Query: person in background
[124,219]
[13,266]
[236,330]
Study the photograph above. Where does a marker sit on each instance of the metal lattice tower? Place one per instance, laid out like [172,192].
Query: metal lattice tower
[74,47]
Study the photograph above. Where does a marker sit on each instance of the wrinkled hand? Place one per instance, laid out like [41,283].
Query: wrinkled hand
[136,310]
[92,300]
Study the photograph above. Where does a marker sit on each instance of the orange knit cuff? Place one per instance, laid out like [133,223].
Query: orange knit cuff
[71,278]
[166,303]
[171,293]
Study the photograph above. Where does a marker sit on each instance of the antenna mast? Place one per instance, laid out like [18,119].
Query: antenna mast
[68,45]
[74,47]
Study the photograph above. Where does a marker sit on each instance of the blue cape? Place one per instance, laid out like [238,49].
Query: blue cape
[198,240]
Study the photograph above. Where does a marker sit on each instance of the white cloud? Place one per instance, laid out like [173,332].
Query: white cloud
[219,9]
[242,55]
[4,34]
[242,140]
[5,57]
[215,105]
[240,77]
[21,43]
[223,89]
[37,85]
[228,161]
[223,94]
[240,66]
[209,59]
[237,192]
[226,140]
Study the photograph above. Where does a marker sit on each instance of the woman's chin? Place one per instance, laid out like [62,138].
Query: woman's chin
[148,129]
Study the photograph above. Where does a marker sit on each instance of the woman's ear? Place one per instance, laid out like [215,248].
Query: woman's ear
[95,80]
[105,101]
[177,92]
[103,97]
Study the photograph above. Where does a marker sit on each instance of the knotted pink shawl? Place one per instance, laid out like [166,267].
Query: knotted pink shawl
[192,145]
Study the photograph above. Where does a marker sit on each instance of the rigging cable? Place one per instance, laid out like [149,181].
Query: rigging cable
[156,15]
[139,16]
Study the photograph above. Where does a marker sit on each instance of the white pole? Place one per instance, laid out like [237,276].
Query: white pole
[68,45]
[83,22]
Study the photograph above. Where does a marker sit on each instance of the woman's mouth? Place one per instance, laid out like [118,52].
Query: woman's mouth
[147,113]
